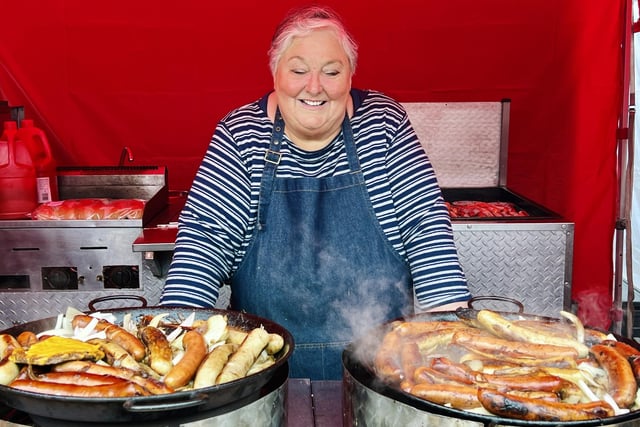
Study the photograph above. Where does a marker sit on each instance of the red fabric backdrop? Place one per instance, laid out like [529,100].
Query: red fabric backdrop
[156,76]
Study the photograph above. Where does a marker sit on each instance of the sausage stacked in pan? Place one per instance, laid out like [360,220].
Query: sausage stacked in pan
[95,357]
[523,369]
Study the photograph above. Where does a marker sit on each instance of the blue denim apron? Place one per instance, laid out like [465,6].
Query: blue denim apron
[319,263]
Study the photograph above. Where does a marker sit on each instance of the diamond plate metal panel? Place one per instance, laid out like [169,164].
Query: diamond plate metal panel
[528,262]
[463,140]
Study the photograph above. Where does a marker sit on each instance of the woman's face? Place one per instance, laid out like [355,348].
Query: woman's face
[312,83]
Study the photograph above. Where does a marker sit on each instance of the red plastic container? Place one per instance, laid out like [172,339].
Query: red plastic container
[18,197]
[45,164]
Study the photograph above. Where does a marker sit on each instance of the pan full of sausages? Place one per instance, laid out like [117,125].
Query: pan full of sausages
[138,363]
[500,368]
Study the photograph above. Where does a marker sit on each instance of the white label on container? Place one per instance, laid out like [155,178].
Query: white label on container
[44,189]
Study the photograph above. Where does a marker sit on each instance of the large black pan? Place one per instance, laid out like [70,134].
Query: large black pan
[358,357]
[174,405]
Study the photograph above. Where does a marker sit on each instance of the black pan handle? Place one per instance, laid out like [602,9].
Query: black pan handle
[497,298]
[93,302]
[196,400]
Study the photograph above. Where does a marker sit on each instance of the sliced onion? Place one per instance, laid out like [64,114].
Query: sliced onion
[157,319]
[188,322]
[577,323]
[587,391]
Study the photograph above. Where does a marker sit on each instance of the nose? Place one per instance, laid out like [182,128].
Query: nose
[314,85]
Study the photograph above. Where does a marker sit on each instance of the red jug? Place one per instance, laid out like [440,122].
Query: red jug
[45,164]
[18,197]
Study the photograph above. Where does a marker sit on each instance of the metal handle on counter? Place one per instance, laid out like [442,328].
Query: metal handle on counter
[95,301]
[140,406]
[496,298]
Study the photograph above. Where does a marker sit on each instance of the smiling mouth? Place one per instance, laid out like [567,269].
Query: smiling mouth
[312,103]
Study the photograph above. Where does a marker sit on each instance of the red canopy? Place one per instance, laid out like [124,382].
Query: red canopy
[98,76]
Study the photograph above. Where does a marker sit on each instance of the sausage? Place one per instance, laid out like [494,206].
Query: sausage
[532,382]
[8,344]
[387,362]
[457,396]
[503,328]
[410,359]
[159,354]
[622,382]
[195,351]
[152,385]
[275,344]
[426,374]
[493,345]
[116,355]
[532,409]
[240,362]
[212,365]
[27,338]
[429,341]
[458,371]
[9,371]
[78,378]
[631,353]
[416,329]
[115,333]
[122,389]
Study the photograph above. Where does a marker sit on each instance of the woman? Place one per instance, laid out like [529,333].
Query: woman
[318,204]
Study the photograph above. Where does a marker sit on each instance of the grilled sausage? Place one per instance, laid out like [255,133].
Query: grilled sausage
[212,365]
[457,396]
[622,382]
[240,362]
[410,359]
[195,350]
[78,378]
[116,355]
[121,389]
[27,338]
[493,345]
[159,351]
[631,353]
[525,408]
[149,384]
[387,361]
[504,328]
[115,333]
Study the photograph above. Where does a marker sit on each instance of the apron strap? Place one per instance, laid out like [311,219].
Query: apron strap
[273,155]
[271,160]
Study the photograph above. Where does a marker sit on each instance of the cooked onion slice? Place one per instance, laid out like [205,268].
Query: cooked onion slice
[577,323]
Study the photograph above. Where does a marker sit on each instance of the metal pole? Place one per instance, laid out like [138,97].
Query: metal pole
[623,138]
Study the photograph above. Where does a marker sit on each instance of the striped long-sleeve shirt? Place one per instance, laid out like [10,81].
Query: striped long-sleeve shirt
[219,217]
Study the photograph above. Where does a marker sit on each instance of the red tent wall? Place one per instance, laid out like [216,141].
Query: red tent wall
[99,76]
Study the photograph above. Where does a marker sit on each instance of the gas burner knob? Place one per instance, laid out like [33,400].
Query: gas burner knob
[121,276]
[57,278]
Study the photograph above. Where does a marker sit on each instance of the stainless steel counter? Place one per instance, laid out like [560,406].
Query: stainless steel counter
[309,404]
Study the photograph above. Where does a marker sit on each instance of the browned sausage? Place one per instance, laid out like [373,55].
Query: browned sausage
[27,338]
[78,378]
[622,382]
[195,350]
[410,359]
[631,353]
[150,384]
[458,371]
[531,382]
[387,362]
[458,396]
[493,345]
[120,336]
[160,355]
[121,389]
[525,408]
